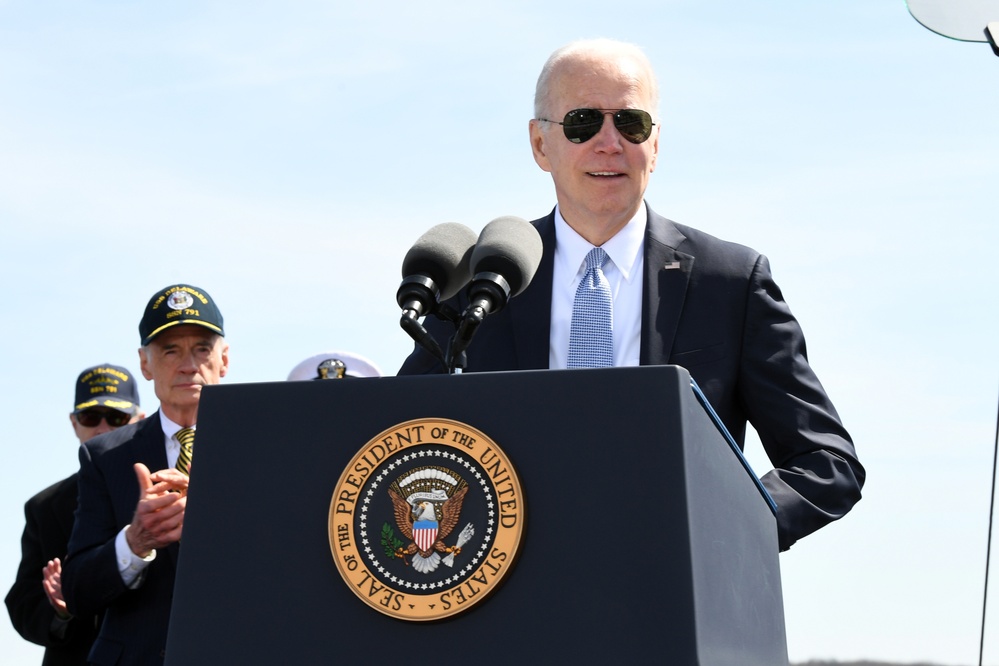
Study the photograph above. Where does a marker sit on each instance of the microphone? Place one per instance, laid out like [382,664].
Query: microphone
[503,262]
[435,268]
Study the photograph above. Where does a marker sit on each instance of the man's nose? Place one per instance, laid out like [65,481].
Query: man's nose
[189,362]
[609,138]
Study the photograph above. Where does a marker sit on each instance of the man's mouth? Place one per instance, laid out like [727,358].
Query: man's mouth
[605,174]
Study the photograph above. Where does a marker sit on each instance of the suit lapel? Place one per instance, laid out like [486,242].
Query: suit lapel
[63,506]
[531,312]
[667,273]
[153,448]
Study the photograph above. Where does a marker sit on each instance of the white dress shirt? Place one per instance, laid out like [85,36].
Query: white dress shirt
[624,274]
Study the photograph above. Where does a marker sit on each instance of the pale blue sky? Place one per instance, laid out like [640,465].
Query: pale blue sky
[284,156]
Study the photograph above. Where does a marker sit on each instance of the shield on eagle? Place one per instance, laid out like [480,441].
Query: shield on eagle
[425,533]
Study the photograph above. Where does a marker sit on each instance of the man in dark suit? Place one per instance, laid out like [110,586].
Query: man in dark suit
[126,539]
[678,296]
[106,398]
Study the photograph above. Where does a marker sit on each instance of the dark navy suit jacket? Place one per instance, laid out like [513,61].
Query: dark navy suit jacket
[712,307]
[135,622]
[48,524]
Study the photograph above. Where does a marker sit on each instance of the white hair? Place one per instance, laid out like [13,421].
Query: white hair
[587,48]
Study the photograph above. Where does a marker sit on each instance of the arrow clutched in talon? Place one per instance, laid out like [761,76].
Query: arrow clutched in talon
[467,533]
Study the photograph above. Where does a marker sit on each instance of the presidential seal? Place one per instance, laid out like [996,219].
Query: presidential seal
[426,520]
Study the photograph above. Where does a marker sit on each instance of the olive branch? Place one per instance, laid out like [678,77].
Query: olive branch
[390,542]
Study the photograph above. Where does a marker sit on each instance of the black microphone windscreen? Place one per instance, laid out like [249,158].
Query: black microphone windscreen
[443,253]
[510,246]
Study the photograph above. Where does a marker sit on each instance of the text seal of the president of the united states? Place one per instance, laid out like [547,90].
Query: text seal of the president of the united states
[426,520]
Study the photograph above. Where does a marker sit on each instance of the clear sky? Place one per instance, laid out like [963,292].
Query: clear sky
[284,156]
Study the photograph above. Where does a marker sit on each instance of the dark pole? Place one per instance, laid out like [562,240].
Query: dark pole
[988,544]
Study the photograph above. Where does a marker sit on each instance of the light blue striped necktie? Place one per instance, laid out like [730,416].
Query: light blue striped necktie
[591,332]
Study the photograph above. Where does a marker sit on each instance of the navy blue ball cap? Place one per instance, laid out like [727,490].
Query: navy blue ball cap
[179,304]
[106,385]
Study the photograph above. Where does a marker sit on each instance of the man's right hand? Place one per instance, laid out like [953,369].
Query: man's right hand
[159,515]
[52,584]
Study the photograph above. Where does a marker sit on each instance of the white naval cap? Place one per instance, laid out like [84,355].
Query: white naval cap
[333,365]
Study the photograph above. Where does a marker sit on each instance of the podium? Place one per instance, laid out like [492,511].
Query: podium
[646,539]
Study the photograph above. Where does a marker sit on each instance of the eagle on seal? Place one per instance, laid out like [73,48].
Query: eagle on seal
[426,534]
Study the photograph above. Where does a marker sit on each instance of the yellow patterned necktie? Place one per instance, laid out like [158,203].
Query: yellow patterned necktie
[186,438]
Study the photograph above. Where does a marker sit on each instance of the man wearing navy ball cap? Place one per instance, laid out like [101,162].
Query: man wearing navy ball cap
[126,540]
[106,398]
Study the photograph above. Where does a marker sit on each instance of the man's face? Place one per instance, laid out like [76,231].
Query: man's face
[180,361]
[106,415]
[600,182]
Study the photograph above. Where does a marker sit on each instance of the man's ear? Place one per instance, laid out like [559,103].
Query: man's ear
[225,359]
[144,364]
[77,428]
[539,145]
[655,148]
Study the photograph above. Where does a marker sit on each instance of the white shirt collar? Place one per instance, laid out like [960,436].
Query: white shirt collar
[170,429]
[623,249]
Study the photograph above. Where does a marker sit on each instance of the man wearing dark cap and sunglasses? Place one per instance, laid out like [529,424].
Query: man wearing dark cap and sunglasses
[106,398]
[662,293]
[125,543]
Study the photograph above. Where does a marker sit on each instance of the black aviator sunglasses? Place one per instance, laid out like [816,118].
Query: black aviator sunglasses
[581,125]
[91,418]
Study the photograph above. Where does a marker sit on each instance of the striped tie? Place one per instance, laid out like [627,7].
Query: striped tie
[186,438]
[591,337]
